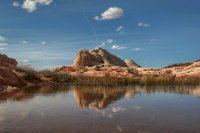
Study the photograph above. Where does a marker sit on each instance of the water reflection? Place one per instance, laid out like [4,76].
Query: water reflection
[97,97]
[27,94]
[100,97]
[127,109]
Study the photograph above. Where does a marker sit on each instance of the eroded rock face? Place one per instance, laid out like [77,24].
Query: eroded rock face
[7,75]
[7,62]
[131,63]
[192,70]
[97,56]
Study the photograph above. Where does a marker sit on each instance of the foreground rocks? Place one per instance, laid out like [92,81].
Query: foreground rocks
[8,63]
[8,77]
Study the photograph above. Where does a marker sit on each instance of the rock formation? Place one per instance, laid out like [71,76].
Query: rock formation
[131,63]
[192,70]
[8,77]
[99,62]
[6,62]
[97,57]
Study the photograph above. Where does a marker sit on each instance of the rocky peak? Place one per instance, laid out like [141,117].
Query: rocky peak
[98,56]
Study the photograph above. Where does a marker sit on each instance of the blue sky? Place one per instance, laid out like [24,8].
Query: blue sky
[48,33]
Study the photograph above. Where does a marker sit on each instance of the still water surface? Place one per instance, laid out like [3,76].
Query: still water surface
[71,109]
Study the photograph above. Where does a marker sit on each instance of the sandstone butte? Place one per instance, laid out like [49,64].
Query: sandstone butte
[98,62]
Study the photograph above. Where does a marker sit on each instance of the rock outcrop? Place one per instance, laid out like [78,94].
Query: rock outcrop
[192,70]
[8,77]
[131,63]
[6,62]
[99,62]
[97,57]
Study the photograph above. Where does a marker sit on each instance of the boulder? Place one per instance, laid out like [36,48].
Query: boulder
[95,57]
[7,75]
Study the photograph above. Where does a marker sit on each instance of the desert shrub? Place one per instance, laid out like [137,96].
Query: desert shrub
[106,80]
[187,81]
[62,78]
[179,64]
[47,73]
[29,74]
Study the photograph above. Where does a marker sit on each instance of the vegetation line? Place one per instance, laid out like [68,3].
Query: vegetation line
[107,80]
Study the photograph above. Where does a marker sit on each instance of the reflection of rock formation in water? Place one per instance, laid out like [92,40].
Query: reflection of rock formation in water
[172,89]
[28,93]
[196,92]
[98,97]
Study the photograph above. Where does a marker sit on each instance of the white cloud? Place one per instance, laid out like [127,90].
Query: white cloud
[3,44]
[16,3]
[110,41]
[152,40]
[102,44]
[119,29]
[137,49]
[2,39]
[141,24]
[3,48]
[110,13]
[44,2]
[24,42]
[43,42]
[31,5]
[117,47]
[146,25]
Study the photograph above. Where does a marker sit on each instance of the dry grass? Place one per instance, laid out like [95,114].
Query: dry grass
[107,80]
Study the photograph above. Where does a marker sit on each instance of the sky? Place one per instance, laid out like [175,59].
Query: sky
[48,33]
